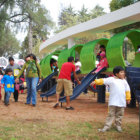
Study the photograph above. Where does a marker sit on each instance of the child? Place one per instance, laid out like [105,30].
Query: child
[64,81]
[8,81]
[102,49]
[119,94]
[1,76]
[103,62]
[138,50]
[77,64]
[16,69]
[54,66]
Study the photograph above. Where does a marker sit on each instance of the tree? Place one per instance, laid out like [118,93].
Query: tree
[83,15]
[67,18]
[35,49]
[97,11]
[36,17]
[8,43]
[117,4]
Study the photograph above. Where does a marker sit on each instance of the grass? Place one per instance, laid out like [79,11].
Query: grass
[42,130]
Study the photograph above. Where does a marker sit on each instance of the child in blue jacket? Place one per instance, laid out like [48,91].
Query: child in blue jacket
[8,81]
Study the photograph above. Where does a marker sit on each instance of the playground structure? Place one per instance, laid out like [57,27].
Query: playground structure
[114,52]
[114,46]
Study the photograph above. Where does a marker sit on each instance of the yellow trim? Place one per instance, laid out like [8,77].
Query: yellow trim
[128,95]
[12,85]
[8,85]
[99,81]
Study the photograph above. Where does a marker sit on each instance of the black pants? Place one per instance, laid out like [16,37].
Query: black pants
[16,95]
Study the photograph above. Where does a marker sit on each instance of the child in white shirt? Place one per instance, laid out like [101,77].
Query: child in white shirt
[119,94]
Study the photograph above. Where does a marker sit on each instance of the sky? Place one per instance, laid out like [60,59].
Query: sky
[55,6]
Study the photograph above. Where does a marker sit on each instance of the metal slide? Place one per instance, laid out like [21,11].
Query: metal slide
[46,80]
[78,89]
[52,90]
[84,84]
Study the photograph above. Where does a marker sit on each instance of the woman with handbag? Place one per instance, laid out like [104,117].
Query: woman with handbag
[33,76]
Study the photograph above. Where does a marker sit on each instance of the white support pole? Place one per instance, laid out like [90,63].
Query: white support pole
[71,42]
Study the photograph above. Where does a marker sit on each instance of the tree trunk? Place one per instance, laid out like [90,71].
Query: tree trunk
[30,39]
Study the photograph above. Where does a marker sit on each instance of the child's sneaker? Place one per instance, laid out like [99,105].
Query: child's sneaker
[56,105]
[119,129]
[6,104]
[69,108]
[104,129]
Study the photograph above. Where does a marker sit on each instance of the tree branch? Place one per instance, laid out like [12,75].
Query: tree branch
[18,21]
[4,1]
[18,15]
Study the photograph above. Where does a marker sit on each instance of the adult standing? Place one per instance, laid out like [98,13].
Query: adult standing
[15,68]
[33,75]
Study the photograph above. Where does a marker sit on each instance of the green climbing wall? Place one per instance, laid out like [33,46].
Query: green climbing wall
[45,64]
[87,56]
[114,53]
[63,57]
[115,46]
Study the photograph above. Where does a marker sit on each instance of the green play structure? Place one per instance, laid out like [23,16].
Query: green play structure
[114,53]
[87,56]
[45,64]
[115,47]
[63,57]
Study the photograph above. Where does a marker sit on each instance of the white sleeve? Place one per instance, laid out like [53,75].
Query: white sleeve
[108,81]
[127,88]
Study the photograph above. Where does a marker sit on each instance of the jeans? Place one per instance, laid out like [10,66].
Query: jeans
[6,97]
[31,89]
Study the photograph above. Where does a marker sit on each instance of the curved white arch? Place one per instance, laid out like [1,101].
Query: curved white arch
[118,18]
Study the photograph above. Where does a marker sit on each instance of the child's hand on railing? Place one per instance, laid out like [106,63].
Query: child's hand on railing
[79,82]
[40,80]
[93,83]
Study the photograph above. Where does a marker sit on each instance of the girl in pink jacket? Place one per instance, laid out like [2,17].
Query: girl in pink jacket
[103,62]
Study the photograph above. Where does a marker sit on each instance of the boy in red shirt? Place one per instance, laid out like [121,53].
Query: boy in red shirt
[64,81]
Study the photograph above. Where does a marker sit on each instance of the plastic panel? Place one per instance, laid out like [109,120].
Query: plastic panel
[63,57]
[87,56]
[45,64]
[115,46]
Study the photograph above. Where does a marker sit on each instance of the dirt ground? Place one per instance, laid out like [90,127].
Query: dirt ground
[86,109]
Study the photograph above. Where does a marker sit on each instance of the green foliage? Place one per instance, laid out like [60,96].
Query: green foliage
[64,130]
[131,57]
[24,49]
[97,11]
[68,17]
[8,43]
[39,16]
[117,4]
[83,15]
[30,12]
